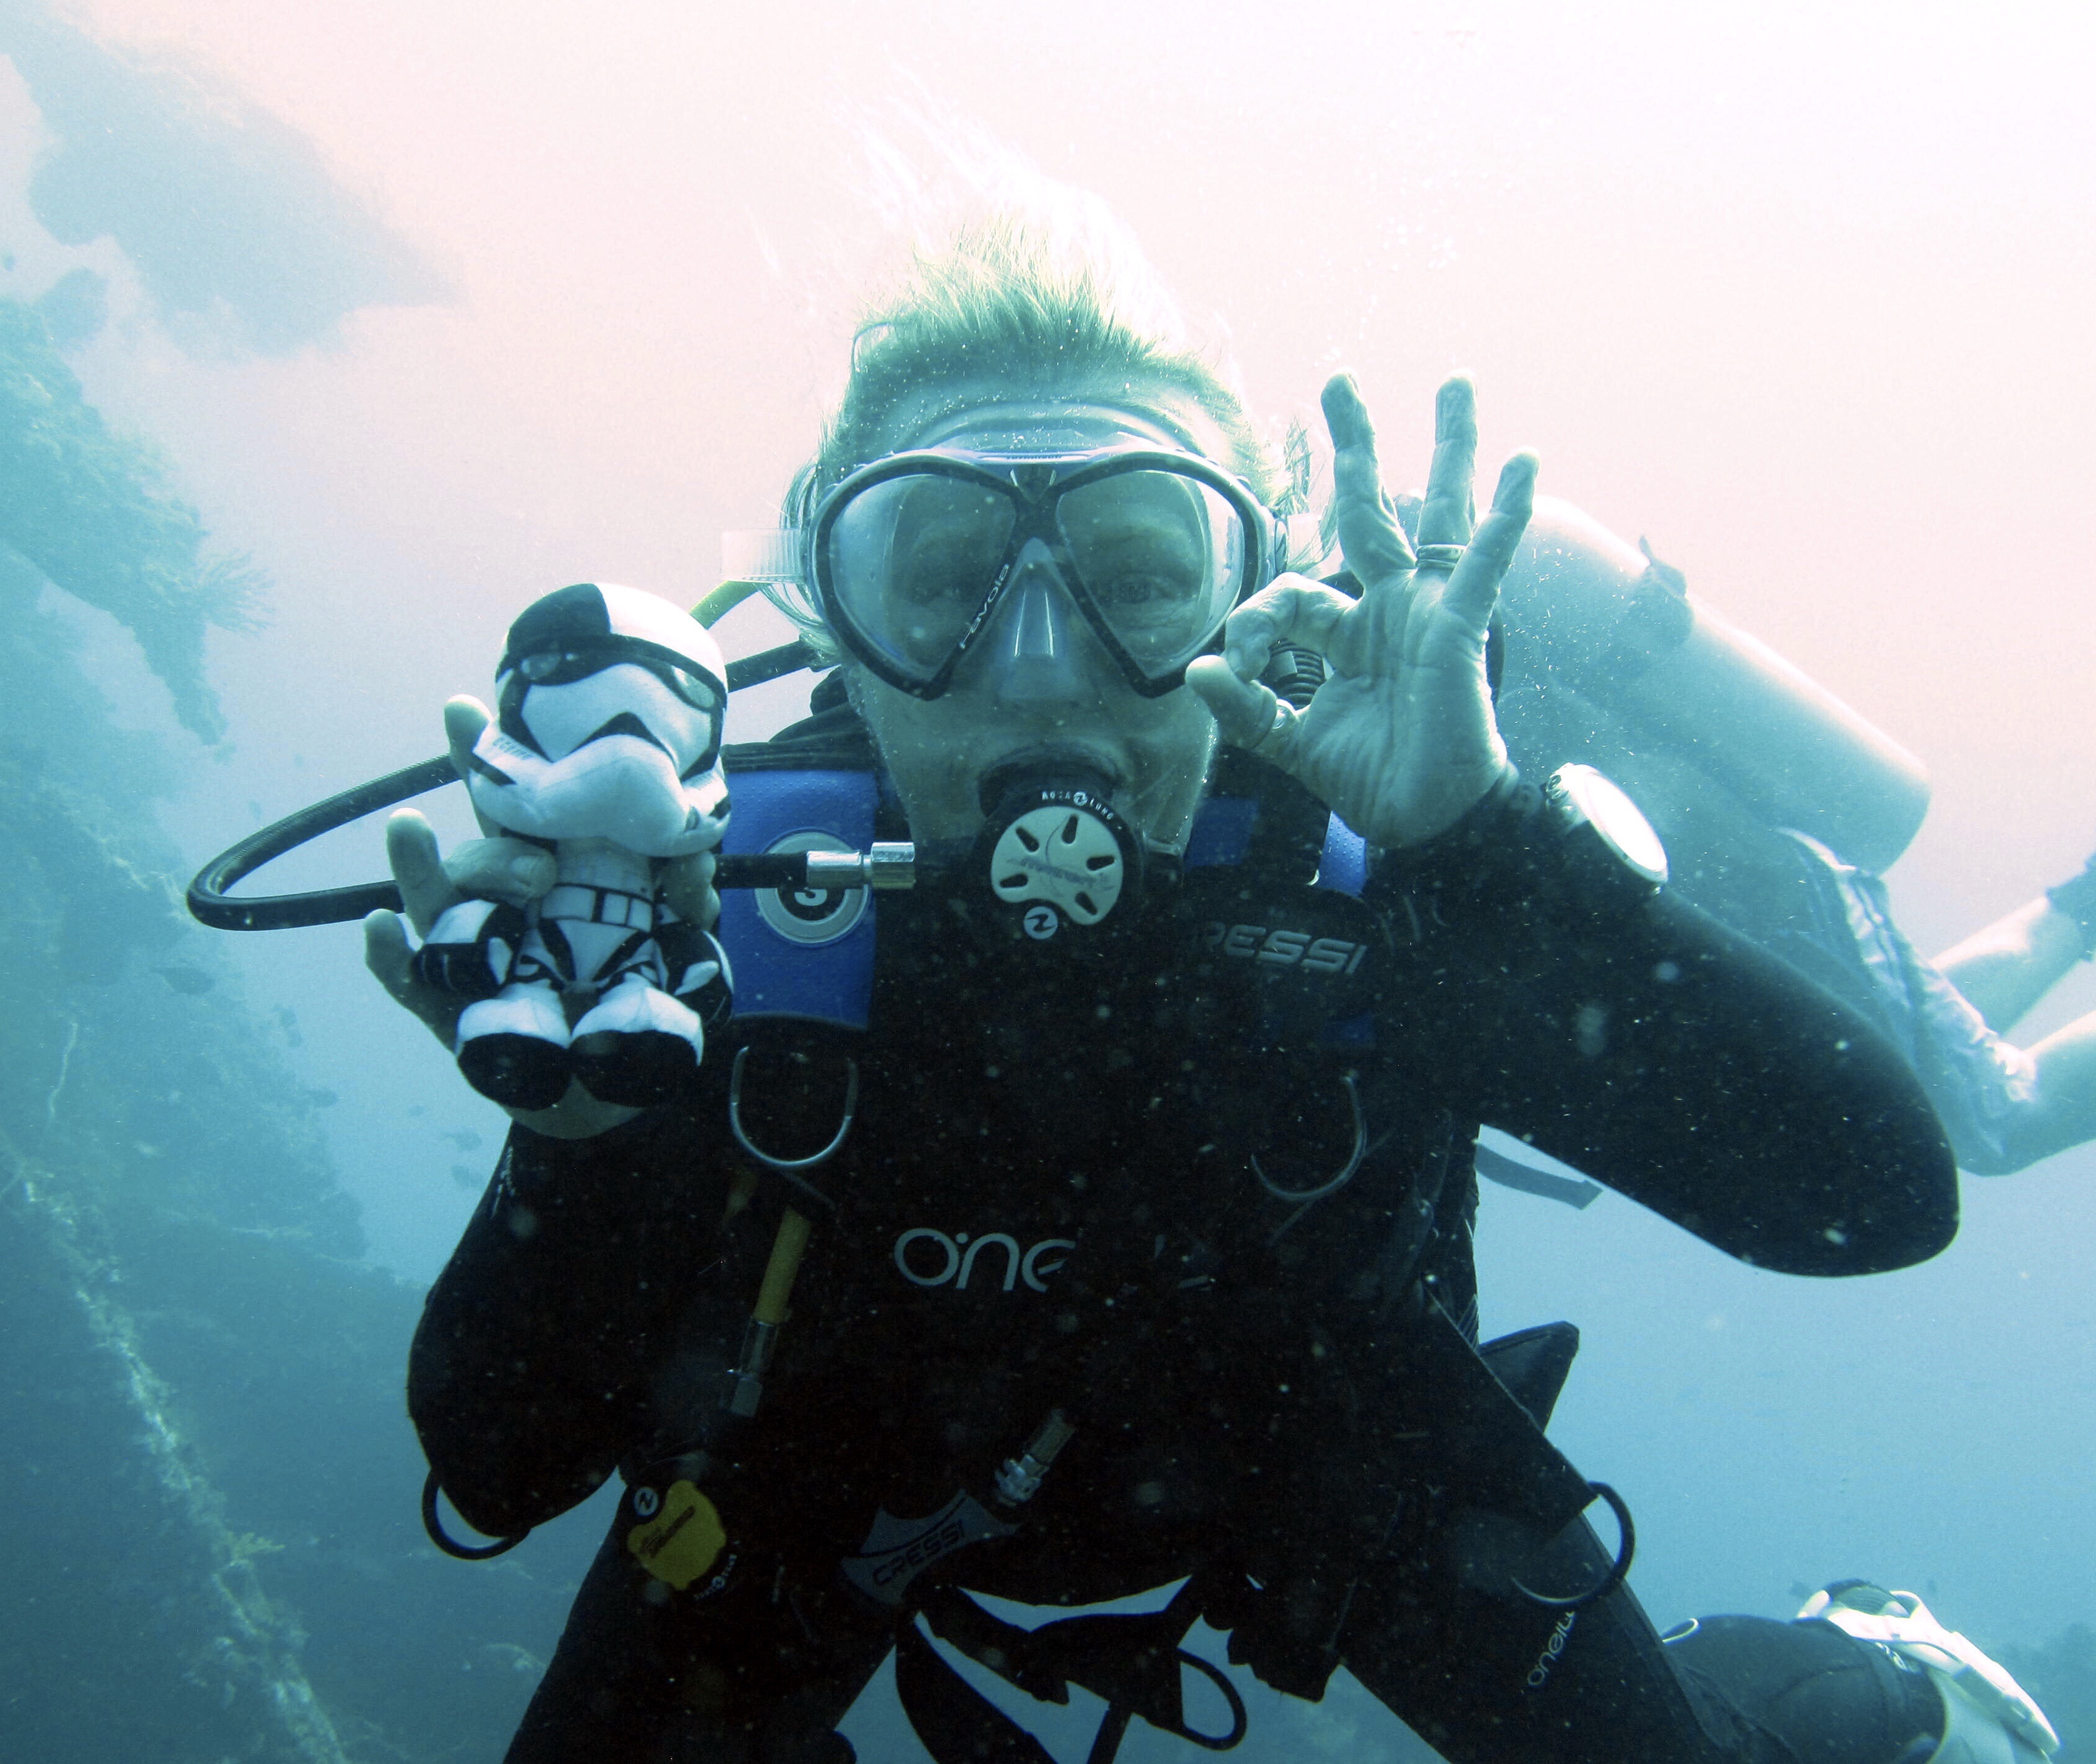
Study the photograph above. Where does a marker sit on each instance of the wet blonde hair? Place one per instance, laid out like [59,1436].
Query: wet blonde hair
[1047,303]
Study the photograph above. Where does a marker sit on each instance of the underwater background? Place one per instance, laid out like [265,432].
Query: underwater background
[331,335]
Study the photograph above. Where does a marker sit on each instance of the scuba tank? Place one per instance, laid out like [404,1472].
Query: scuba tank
[1611,660]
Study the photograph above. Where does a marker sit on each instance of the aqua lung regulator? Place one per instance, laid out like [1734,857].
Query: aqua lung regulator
[1054,853]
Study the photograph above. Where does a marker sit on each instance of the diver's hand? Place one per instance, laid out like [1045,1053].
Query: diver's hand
[511,871]
[495,868]
[429,884]
[1400,740]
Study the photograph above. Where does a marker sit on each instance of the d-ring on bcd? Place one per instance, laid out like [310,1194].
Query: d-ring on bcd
[450,1545]
[790,1167]
[1303,1196]
[1617,1570]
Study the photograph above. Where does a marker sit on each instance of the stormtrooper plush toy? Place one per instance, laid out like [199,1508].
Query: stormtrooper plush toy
[604,747]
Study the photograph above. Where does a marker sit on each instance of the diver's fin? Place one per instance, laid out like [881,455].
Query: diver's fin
[1988,1718]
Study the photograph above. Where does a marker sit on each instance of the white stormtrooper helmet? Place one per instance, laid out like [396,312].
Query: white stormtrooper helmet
[608,726]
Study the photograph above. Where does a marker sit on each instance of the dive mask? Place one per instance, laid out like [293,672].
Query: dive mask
[911,557]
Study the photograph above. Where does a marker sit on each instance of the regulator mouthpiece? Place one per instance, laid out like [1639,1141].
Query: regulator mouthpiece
[1055,851]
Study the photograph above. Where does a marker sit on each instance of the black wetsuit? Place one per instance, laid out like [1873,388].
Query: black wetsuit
[1056,1194]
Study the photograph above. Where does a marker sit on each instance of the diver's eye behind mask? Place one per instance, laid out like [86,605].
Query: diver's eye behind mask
[911,555]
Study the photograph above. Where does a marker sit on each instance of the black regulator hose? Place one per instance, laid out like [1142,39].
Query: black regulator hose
[885,867]
[210,905]
[211,902]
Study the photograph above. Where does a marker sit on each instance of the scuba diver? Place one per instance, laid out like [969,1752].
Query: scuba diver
[2040,1100]
[2002,1107]
[1779,809]
[1095,1215]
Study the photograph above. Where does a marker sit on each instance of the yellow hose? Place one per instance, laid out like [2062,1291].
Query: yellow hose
[787,1249]
[724,599]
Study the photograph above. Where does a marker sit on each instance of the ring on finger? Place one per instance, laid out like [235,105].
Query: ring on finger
[1443,558]
[1284,715]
